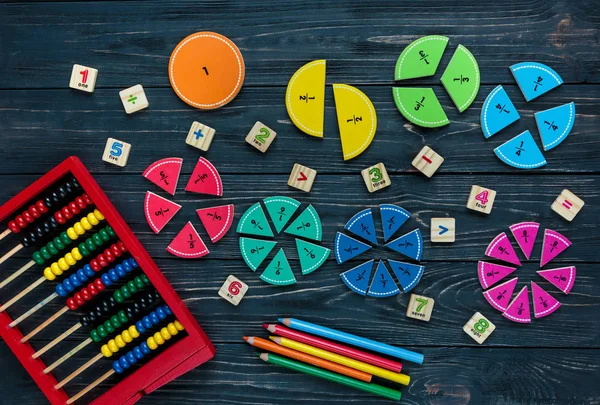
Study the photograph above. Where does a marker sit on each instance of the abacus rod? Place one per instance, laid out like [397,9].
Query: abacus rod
[80,370]
[11,252]
[17,273]
[44,324]
[5,233]
[91,386]
[67,356]
[22,293]
[57,340]
[33,310]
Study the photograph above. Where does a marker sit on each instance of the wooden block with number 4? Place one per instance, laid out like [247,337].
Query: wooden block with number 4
[116,152]
[302,177]
[233,290]
[567,205]
[261,136]
[420,307]
[479,328]
[481,199]
[427,161]
[376,177]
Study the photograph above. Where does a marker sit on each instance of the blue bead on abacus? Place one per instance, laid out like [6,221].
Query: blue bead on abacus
[75,280]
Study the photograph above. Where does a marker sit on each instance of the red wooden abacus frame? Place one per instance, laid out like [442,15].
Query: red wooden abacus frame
[177,359]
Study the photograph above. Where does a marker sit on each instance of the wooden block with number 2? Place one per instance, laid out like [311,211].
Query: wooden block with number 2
[479,328]
[376,177]
[420,307]
[261,136]
[233,290]
[481,199]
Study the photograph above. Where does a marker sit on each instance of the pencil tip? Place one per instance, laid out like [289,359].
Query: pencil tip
[264,356]
[245,338]
[285,321]
[281,320]
[271,328]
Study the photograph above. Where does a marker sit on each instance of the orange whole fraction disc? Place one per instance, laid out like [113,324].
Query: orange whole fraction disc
[206,70]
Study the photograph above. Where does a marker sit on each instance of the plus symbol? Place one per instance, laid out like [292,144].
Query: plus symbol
[199,134]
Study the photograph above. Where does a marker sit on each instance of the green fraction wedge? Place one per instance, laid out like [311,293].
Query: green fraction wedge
[281,209]
[420,106]
[307,225]
[278,272]
[461,78]
[254,222]
[311,256]
[254,251]
[420,58]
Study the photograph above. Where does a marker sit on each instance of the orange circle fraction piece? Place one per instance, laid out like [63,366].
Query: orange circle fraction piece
[206,70]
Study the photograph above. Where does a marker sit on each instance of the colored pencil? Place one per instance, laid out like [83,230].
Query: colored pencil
[353,340]
[307,358]
[346,361]
[334,347]
[328,375]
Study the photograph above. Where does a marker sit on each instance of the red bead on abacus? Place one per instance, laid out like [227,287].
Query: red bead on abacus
[27,216]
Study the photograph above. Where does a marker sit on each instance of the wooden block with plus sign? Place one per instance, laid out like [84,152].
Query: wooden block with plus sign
[83,78]
[200,136]
[376,177]
[443,230]
[302,177]
[116,152]
[233,290]
[420,307]
[481,199]
[479,328]
[427,161]
[567,205]
[261,136]
[134,99]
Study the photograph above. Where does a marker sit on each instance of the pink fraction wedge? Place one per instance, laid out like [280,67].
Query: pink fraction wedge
[543,303]
[525,234]
[562,278]
[500,296]
[518,310]
[554,244]
[491,273]
[501,249]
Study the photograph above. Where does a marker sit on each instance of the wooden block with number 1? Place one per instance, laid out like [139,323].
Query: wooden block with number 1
[376,177]
[420,307]
[567,205]
[481,199]
[479,328]
[427,161]
[302,177]
[83,78]
[261,136]
[116,152]
[200,136]
[233,290]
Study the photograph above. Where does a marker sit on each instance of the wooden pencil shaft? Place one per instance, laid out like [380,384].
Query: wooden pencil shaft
[5,234]
[90,387]
[80,370]
[57,340]
[17,273]
[67,355]
[33,310]
[22,293]
[44,324]
[11,252]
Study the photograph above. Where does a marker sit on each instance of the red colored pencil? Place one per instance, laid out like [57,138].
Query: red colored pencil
[334,347]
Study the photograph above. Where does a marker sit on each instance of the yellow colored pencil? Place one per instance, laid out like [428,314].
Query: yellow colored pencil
[346,361]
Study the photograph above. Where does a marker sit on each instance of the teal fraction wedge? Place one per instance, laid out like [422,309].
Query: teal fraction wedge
[281,209]
[278,272]
[382,285]
[535,79]
[255,251]
[357,278]
[307,225]
[392,218]
[555,124]
[408,274]
[362,225]
[410,245]
[521,152]
[311,256]
[254,222]
[497,112]
[347,248]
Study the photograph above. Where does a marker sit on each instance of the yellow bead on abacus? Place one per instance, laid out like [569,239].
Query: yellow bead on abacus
[56,269]
[164,332]
[158,338]
[62,264]
[172,329]
[76,254]
[113,346]
[72,234]
[85,224]
[126,336]
[133,332]
[48,274]
[78,228]
[70,259]
[151,343]
[106,351]
[98,215]
[92,219]
[178,325]
[119,341]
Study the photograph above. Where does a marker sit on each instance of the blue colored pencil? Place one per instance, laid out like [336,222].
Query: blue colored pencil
[353,340]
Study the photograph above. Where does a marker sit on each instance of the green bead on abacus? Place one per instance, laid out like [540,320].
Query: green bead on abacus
[114,320]
[58,243]
[51,248]
[125,292]
[97,239]
[95,336]
[109,328]
[145,279]
[101,331]
[110,231]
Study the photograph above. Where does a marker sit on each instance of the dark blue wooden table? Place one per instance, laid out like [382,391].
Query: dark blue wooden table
[554,360]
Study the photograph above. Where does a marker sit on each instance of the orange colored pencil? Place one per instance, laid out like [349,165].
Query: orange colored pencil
[307,358]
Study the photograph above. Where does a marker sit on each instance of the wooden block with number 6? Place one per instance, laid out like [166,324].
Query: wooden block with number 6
[427,161]
[200,136]
[233,290]
[376,177]
[481,199]
[302,177]
[261,136]
[567,205]
[420,307]
[116,152]
[479,328]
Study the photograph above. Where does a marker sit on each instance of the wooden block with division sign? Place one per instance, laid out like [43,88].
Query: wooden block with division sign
[134,99]
[116,152]
[261,136]
[83,78]
[443,230]
[481,199]
[233,290]
[420,307]
[376,177]
[200,136]
[567,205]
[479,328]
[427,161]
[302,177]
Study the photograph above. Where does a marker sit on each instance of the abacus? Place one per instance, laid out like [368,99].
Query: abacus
[135,318]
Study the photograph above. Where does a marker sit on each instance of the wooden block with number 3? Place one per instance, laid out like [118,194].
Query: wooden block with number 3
[479,328]
[427,161]
[567,205]
[420,307]
[233,290]
[261,136]
[481,199]
[302,177]
[376,177]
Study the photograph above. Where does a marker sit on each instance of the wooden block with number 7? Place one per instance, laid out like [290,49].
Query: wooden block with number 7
[420,307]
[261,136]
[302,177]
[479,328]
[376,177]
[481,199]
[233,290]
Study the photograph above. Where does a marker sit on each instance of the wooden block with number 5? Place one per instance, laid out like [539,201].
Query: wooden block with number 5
[481,199]
[261,136]
[376,177]
[302,177]
[420,307]
[116,152]
[233,290]
[479,328]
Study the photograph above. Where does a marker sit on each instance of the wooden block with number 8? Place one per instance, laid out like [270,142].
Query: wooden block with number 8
[261,136]
[233,290]
[420,307]
[481,199]
[479,328]
[427,161]
[302,177]
[83,78]
[116,152]
[376,177]
[567,205]
[200,136]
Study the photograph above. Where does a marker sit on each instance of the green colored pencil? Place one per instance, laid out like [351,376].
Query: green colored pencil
[328,375]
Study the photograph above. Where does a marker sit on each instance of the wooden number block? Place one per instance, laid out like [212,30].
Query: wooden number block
[200,136]
[420,307]
[376,177]
[443,230]
[261,136]
[83,78]
[567,205]
[116,152]
[427,161]
[479,328]
[481,199]
[233,290]
[134,99]
[302,177]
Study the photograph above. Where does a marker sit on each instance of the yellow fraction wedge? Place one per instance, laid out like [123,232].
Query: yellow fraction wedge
[357,119]
[305,98]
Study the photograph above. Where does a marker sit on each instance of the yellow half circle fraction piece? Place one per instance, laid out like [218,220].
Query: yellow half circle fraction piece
[305,98]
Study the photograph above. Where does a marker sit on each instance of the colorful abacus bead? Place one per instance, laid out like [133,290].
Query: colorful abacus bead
[108,256]
[73,208]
